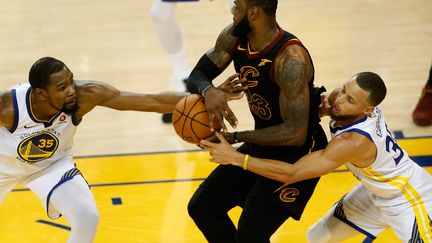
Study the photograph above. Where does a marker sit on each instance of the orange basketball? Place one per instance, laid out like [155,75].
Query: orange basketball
[190,119]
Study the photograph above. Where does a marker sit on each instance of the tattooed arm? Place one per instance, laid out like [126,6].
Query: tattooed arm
[6,110]
[209,67]
[292,70]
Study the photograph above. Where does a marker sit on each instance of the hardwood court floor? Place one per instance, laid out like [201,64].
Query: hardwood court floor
[143,198]
[114,41]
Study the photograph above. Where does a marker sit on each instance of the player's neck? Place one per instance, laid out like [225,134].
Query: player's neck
[347,122]
[41,110]
[262,35]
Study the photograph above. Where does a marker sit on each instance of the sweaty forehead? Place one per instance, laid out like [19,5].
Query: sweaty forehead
[355,91]
[58,78]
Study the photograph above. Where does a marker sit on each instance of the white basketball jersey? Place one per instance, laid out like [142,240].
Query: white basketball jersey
[33,145]
[393,173]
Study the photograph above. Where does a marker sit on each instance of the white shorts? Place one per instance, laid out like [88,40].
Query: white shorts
[42,183]
[409,220]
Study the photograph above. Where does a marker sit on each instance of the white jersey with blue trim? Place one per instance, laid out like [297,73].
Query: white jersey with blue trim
[393,173]
[32,145]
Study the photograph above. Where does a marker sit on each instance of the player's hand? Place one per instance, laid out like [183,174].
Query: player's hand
[223,152]
[324,107]
[233,85]
[229,137]
[217,107]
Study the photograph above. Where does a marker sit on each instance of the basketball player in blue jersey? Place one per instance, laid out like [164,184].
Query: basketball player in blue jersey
[37,125]
[283,103]
[394,191]
[170,37]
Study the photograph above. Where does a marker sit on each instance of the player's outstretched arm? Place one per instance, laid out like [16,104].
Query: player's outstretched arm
[6,109]
[338,152]
[292,70]
[93,93]
[208,68]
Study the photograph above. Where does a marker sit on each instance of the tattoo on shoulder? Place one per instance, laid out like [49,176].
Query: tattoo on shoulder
[224,48]
[291,74]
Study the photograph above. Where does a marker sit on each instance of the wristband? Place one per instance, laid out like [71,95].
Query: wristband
[204,91]
[245,161]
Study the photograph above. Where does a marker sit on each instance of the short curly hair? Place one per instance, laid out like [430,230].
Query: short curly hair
[42,69]
[374,85]
[269,6]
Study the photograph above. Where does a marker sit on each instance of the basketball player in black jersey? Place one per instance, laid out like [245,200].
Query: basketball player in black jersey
[283,102]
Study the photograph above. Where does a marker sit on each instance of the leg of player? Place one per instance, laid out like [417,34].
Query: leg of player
[210,213]
[259,220]
[330,229]
[74,200]
[422,114]
[225,188]
[171,40]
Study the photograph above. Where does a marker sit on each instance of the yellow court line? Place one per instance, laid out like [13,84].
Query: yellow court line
[417,146]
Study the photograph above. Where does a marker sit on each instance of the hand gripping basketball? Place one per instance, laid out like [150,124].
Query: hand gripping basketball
[191,121]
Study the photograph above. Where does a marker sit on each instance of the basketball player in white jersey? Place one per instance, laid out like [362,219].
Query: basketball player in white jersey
[393,191]
[170,37]
[37,124]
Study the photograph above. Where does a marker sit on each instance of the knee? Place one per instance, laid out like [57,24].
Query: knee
[88,220]
[195,207]
[92,218]
[318,232]
[252,232]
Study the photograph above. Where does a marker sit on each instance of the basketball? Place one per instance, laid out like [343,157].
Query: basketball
[190,119]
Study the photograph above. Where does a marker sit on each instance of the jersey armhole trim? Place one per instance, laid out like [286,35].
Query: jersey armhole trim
[356,130]
[16,112]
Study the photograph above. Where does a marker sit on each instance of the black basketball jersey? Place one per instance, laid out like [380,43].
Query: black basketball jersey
[263,92]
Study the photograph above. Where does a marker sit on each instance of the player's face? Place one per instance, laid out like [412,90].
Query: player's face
[61,92]
[351,102]
[241,23]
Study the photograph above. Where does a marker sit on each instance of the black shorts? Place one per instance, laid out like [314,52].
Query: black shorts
[235,184]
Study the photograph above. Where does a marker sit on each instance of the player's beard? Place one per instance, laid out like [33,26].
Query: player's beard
[70,110]
[242,29]
[342,117]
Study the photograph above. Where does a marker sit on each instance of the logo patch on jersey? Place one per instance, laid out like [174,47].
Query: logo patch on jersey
[62,119]
[38,147]
[250,73]
[28,127]
[257,104]
[288,195]
[263,62]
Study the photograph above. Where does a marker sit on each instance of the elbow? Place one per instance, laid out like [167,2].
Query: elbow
[301,136]
[298,139]
[193,82]
[188,83]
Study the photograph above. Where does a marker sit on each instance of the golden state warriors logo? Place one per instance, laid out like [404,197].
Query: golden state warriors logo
[38,147]
[288,195]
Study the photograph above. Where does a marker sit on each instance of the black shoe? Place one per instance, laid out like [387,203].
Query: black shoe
[167,118]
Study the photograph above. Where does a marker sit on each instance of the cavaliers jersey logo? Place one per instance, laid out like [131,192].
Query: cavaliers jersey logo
[249,73]
[288,195]
[257,104]
[38,147]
